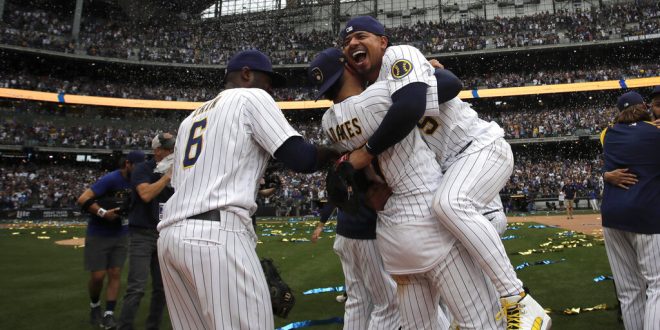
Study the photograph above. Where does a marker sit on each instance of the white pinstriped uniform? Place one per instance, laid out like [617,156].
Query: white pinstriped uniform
[477,162]
[212,276]
[420,71]
[371,291]
[494,212]
[447,122]
[409,237]
[634,261]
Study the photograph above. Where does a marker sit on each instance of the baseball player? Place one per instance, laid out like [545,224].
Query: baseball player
[211,273]
[425,259]
[621,177]
[630,214]
[475,158]
[106,240]
[371,292]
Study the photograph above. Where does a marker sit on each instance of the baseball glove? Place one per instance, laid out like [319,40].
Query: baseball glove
[281,296]
[272,181]
[344,186]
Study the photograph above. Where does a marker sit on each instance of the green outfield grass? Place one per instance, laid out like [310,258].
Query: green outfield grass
[43,286]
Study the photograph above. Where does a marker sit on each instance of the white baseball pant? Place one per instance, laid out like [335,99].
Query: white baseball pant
[371,291]
[494,212]
[635,263]
[469,184]
[212,276]
[457,281]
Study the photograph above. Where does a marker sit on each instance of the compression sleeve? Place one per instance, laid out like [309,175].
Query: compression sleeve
[408,106]
[297,154]
[448,85]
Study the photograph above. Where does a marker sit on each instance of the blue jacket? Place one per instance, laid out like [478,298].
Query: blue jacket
[634,146]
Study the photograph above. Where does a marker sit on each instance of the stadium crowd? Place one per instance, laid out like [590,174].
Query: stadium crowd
[141,90]
[563,121]
[38,130]
[52,186]
[210,43]
[550,77]
[135,90]
[58,186]
[544,178]
[44,133]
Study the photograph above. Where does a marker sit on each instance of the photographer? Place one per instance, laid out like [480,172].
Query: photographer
[105,241]
[151,188]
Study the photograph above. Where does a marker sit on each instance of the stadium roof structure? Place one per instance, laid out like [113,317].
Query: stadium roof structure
[143,10]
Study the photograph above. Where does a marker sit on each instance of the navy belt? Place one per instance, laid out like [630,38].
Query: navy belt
[213,215]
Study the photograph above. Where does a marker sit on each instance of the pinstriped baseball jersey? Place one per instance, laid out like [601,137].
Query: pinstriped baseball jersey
[410,238]
[403,65]
[221,152]
[456,125]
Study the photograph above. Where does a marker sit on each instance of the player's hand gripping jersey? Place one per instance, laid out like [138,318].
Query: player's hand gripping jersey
[409,237]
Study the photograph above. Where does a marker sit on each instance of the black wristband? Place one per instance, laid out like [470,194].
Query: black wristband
[87,204]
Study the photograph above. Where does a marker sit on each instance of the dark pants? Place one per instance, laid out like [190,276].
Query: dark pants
[143,259]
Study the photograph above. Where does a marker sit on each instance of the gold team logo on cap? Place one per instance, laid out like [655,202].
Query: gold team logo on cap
[401,68]
[317,74]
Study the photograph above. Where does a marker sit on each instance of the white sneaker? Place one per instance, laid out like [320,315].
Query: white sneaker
[523,312]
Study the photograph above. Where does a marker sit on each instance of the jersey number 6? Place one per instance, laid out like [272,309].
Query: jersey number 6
[195,142]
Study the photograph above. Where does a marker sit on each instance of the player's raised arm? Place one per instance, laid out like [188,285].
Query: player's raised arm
[448,84]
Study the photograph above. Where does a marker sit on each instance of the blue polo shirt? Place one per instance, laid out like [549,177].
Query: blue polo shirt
[111,190]
[634,146]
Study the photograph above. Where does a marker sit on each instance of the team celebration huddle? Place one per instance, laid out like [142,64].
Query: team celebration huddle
[413,171]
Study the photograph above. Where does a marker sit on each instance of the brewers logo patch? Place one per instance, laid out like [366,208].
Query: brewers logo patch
[317,74]
[401,68]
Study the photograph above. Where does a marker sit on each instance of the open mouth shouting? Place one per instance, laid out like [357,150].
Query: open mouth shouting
[359,56]
[358,59]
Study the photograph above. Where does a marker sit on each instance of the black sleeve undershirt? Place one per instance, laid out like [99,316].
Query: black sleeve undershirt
[408,107]
[297,154]
[448,85]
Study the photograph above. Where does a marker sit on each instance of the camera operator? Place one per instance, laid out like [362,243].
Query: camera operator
[105,241]
[151,188]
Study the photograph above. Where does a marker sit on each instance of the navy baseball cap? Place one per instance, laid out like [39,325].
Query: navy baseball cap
[256,61]
[655,92]
[629,99]
[363,23]
[135,156]
[326,69]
